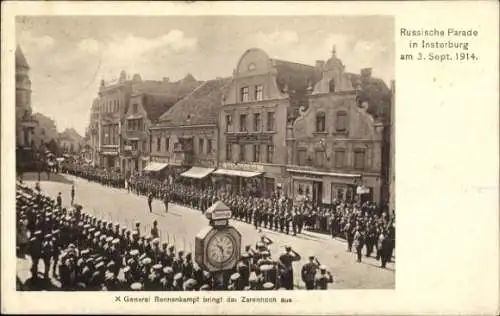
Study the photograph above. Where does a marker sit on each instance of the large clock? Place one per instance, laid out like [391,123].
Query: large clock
[218,248]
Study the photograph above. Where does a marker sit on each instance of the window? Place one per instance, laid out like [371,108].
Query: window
[331,85]
[244,94]
[339,158]
[320,122]
[256,153]
[201,143]
[270,151]
[209,146]
[242,152]
[256,122]
[229,123]
[144,146]
[319,159]
[243,123]
[341,122]
[258,93]
[158,143]
[134,145]
[134,108]
[167,144]
[301,157]
[43,131]
[229,152]
[359,159]
[270,121]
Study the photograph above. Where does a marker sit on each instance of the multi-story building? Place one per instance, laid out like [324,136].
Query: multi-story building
[92,134]
[262,96]
[186,136]
[335,145]
[45,131]
[147,103]
[25,123]
[70,141]
[392,153]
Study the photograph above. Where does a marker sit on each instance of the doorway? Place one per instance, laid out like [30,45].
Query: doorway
[317,194]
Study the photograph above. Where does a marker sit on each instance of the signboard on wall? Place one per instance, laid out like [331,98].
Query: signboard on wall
[242,166]
[249,138]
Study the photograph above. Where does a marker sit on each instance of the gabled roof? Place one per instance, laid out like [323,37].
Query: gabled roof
[159,96]
[374,91]
[200,107]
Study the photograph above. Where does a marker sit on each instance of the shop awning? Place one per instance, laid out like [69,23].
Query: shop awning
[197,172]
[330,174]
[155,166]
[237,173]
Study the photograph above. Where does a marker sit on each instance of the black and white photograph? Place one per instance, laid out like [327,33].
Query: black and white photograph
[204,153]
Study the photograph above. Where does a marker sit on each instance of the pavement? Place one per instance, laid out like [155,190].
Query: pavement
[181,224]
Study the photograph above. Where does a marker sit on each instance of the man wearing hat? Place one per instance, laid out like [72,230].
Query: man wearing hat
[244,271]
[177,264]
[187,266]
[47,252]
[59,200]
[150,201]
[286,267]
[190,285]
[323,278]
[166,201]
[308,273]
[154,279]
[35,252]
[178,282]
[167,280]
[136,286]
[359,240]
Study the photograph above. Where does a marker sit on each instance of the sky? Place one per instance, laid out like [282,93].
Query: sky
[69,56]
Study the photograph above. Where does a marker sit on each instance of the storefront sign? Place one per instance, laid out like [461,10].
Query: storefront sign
[249,138]
[242,166]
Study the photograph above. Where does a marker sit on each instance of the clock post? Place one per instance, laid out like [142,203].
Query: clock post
[218,246]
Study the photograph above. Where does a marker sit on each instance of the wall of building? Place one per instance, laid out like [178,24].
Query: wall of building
[45,131]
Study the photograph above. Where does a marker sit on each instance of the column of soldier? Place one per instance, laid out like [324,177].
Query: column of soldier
[360,225]
[100,175]
[86,253]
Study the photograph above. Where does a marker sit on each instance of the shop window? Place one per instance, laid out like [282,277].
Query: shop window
[301,157]
[258,93]
[244,94]
[242,152]
[320,122]
[339,158]
[256,153]
[270,152]
[256,122]
[341,121]
[359,159]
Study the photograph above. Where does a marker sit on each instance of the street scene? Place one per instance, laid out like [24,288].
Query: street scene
[263,166]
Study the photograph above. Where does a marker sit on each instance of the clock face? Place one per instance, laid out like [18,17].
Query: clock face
[220,249]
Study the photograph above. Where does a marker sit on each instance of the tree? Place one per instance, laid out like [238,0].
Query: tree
[53,147]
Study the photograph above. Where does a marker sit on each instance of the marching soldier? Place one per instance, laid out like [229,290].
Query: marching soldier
[358,242]
[323,278]
[154,230]
[150,201]
[165,201]
[72,193]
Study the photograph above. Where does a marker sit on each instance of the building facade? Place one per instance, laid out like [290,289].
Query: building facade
[70,141]
[92,134]
[335,145]
[392,152]
[262,95]
[45,131]
[147,103]
[185,139]
[25,122]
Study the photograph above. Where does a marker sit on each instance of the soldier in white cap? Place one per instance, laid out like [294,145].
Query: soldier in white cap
[322,278]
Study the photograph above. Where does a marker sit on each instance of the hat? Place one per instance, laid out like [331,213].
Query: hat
[99,265]
[137,286]
[178,276]
[137,223]
[110,264]
[134,233]
[245,255]
[130,261]
[86,226]
[190,284]
[266,253]
[157,266]
[84,252]
[134,252]
[266,267]
[143,255]
[146,261]
[116,241]
[126,269]
[71,246]
[117,225]
[124,229]
[311,257]
[109,239]
[268,286]
[156,241]
[287,248]
[91,230]
[168,270]
[235,276]
[322,267]
[103,237]
[171,247]
[205,287]
[164,244]
[48,236]
[38,233]
[97,233]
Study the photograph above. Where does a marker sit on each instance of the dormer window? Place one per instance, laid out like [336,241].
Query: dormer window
[320,122]
[341,121]
[331,85]
[251,67]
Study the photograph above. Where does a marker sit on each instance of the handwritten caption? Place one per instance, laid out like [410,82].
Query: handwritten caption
[200,299]
[439,45]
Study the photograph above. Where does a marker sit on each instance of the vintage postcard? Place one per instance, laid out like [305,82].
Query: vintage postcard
[248,158]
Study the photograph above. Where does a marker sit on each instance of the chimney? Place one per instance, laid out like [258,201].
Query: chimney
[366,72]
[320,65]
